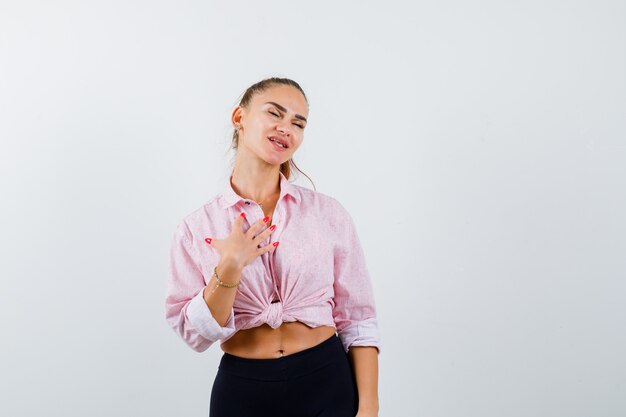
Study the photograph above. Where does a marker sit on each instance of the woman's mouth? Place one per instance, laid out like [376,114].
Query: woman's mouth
[277,145]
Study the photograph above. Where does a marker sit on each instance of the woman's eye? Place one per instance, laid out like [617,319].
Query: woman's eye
[278,115]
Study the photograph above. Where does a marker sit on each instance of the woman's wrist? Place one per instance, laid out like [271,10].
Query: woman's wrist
[369,407]
[228,264]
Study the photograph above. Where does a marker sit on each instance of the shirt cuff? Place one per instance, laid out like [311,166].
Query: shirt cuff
[203,321]
[361,333]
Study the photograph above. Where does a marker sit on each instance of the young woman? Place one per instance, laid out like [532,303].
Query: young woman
[276,272]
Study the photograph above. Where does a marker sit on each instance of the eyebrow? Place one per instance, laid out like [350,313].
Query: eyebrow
[284,110]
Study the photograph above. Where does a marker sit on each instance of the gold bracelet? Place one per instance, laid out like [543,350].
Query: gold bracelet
[222,283]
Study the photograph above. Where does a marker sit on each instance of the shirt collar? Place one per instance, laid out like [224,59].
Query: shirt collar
[230,197]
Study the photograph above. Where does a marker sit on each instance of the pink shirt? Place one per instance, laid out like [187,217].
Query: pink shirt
[317,273]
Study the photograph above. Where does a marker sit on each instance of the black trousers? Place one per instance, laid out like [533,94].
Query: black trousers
[316,382]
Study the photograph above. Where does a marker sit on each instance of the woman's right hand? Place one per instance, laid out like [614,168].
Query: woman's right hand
[241,248]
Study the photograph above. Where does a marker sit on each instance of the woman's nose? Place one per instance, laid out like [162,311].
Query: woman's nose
[282,129]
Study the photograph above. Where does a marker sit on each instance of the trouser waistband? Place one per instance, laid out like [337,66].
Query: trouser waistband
[286,367]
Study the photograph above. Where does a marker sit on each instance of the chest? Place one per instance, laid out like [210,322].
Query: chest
[304,256]
[268,210]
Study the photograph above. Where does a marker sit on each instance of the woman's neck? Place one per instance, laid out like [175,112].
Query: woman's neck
[261,188]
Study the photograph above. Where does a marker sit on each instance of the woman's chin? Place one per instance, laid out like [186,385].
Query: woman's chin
[273,159]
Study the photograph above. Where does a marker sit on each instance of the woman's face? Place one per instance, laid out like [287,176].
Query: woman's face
[280,112]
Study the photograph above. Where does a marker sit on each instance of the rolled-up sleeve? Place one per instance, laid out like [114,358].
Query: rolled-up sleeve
[186,310]
[354,309]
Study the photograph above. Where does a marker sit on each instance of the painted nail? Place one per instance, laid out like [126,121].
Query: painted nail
[208,240]
[275,243]
[266,218]
[243,215]
[272,227]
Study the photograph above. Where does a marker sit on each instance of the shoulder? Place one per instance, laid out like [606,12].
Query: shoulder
[199,218]
[328,205]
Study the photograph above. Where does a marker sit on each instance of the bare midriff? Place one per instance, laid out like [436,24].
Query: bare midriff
[263,342]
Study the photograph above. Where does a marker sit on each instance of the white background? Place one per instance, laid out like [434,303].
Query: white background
[479,146]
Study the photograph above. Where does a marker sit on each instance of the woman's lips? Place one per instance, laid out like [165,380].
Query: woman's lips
[278,147]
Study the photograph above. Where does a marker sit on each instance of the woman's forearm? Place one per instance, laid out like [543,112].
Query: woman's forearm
[220,299]
[364,360]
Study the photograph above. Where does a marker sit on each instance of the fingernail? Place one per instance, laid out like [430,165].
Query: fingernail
[272,227]
[208,240]
[275,243]
[243,214]
[266,218]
